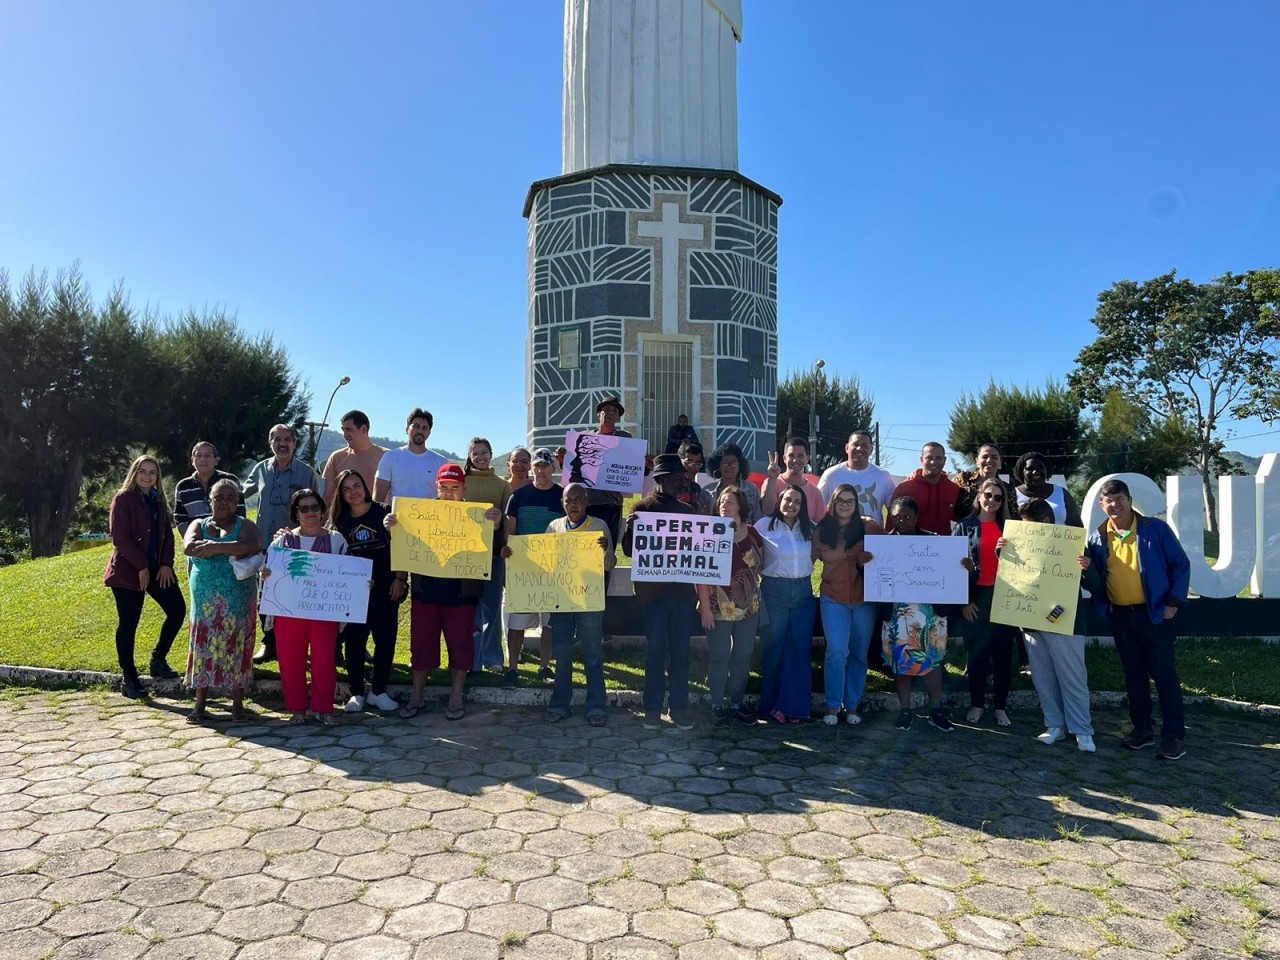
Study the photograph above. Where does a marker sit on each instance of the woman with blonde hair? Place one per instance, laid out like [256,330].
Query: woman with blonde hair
[141,565]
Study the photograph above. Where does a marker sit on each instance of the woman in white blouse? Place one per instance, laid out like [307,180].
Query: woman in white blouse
[787,588]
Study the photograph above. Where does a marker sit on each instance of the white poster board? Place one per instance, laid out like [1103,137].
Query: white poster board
[316,586]
[916,569]
[681,547]
[604,462]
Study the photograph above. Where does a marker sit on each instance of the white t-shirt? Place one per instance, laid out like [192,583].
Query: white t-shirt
[411,474]
[875,486]
[786,552]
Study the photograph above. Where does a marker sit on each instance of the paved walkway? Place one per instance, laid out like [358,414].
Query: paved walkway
[126,833]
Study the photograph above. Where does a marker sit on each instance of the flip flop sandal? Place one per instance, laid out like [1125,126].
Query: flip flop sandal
[455,713]
[197,717]
[597,720]
[777,716]
[409,711]
[1002,719]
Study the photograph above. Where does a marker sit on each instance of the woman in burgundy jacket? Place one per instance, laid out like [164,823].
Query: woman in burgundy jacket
[142,563]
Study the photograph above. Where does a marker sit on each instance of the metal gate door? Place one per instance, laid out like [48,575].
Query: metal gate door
[667,388]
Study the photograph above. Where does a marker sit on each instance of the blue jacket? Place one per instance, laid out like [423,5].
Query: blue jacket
[1163,566]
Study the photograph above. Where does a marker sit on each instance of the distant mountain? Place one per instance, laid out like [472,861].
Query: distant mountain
[331,441]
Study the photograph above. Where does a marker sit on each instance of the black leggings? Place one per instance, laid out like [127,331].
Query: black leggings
[383,622]
[129,609]
[990,649]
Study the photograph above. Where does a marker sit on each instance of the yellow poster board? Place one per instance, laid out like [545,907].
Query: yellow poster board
[1038,579]
[442,538]
[556,573]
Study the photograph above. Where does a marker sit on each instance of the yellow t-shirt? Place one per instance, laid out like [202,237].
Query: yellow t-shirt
[1124,584]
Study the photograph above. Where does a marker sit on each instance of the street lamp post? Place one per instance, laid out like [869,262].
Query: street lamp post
[315,429]
[813,412]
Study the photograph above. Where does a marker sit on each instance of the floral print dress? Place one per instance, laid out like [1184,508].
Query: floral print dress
[224,620]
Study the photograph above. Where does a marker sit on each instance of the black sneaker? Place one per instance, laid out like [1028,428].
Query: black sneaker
[744,717]
[719,717]
[1171,750]
[265,654]
[160,670]
[132,688]
[546,674]
[938,720]
[904,720]
[511,679]
[1139,739]
[652,721]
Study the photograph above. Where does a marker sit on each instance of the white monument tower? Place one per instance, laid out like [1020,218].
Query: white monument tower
[653,263]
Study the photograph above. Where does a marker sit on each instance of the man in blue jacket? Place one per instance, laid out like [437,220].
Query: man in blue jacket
[1146,573]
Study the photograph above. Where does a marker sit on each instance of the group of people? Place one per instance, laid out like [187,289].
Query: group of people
[1133,566]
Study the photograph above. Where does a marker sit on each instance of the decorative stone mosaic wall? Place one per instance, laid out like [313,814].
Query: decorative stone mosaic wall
[626,253]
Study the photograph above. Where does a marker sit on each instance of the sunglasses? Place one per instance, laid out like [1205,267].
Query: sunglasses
[310,508]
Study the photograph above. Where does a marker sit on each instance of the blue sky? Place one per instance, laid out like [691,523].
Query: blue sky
[960,180]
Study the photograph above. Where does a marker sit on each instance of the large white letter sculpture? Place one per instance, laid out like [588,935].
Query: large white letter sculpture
[1249,526]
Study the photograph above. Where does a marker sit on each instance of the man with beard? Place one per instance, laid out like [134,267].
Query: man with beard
[871,482]
[410,471]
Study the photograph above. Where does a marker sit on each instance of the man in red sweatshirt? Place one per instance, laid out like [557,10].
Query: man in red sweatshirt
[932,491]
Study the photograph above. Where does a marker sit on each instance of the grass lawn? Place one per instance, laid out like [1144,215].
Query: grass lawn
[57,613]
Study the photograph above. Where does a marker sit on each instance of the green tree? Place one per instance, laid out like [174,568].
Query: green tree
[229,388]
[76,383]
[1127,439]
[1019,420]
[1202,353]
[841,407]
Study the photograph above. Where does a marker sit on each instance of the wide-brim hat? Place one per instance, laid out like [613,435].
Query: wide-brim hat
[611,402]
[665,463]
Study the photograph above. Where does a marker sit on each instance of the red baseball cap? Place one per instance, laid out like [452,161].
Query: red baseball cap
[451,473]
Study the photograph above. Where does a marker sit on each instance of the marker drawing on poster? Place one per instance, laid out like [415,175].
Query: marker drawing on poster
[681,547]
[316,586]
[555,573]
[916,570]
[442,538]
[604,462]
[1038,579]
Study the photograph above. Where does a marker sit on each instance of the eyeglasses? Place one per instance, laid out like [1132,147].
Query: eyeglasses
[310,508]
[845,502]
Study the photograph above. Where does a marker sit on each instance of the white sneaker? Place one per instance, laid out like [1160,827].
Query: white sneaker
[381,701]
[354,705]
[1084,743]
[852,718]
[1052,735]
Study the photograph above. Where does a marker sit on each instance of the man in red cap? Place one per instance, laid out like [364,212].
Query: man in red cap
[443,605]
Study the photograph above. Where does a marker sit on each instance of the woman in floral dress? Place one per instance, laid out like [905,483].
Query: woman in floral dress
[223,609]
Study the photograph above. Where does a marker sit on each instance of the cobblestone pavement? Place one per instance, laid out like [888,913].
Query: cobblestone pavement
[126,833]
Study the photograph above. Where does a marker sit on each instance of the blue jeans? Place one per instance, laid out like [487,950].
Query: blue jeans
[588,630]
[848,627]
[1146,651]
[786,664]
[668,625]
[490,642]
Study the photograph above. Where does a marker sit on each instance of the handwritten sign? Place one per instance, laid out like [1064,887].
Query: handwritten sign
[442,538]
[555,573]
[1038,580]
[604,462]
[681,547]
[316,586]
[916,570]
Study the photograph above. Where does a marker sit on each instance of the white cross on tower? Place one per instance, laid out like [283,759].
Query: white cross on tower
[669,231]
